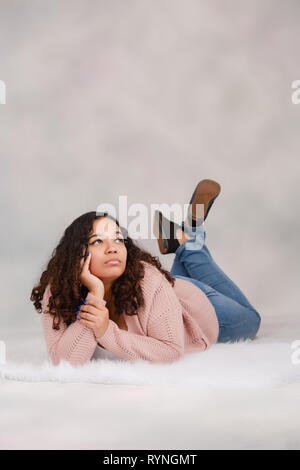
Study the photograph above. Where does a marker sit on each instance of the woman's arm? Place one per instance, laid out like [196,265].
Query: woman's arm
[164,341]
[75,343]
[165,331]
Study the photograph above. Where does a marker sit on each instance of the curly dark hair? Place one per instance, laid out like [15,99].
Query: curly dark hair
[63,273]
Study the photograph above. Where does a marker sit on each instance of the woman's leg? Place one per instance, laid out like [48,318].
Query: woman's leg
[178,268]
[237,317]
[199,265]
[236,322]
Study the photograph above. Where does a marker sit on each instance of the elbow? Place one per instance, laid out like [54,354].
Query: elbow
[73,360]
[179,354]
[176,354]
[172,354]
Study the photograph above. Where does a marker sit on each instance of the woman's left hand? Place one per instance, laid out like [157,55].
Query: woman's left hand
[95,315]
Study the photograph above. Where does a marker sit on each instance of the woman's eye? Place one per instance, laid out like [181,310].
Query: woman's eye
[98,240]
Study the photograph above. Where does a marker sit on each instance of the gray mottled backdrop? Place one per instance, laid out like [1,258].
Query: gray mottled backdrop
[144,99]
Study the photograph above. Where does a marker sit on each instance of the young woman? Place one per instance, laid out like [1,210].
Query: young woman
[103,296]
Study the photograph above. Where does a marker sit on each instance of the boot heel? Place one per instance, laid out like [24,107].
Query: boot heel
[165,232]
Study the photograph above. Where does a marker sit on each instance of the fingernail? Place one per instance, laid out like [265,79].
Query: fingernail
[79,307]
[78,318]
[77,312]
[85,301]
[88,253]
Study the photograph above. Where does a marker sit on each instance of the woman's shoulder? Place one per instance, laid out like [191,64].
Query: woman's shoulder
[152,276]
[159,294]
[151,270]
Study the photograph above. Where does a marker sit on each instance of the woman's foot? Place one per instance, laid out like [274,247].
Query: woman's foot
[194,236]
[171,235]
[181,236]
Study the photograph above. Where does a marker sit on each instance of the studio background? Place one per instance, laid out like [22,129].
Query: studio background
[145,99]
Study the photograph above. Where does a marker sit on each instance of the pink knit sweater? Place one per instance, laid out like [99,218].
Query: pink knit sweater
[173,321]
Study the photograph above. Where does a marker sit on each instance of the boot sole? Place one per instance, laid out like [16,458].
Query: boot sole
[205,193]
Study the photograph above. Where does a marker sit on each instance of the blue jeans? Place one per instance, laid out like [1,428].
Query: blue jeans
[238,320]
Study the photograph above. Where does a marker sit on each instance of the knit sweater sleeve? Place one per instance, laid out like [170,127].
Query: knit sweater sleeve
[164,341]
[75,343]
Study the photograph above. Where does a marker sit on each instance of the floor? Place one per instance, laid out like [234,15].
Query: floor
[94,416]
[57,415]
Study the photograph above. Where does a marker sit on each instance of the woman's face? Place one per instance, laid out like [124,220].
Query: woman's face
[106,242]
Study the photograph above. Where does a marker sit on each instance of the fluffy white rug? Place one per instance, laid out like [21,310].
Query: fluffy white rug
[246,364]
[252,385]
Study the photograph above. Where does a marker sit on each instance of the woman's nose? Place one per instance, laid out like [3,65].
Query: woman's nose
[111,249]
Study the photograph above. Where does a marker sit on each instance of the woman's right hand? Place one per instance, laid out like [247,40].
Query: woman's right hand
[93,283]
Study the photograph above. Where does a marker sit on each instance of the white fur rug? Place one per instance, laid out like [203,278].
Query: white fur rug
[253,385]
[262,362]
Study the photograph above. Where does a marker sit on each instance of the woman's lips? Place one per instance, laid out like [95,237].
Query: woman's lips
[113,261]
